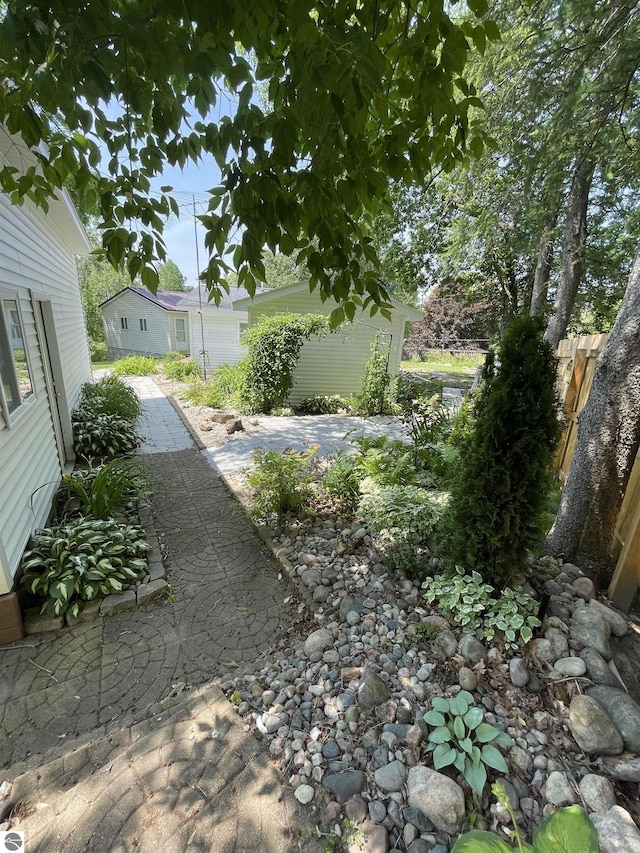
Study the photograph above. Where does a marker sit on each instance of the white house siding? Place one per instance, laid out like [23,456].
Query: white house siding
[220,335]
[155,341]
[34,264]
[335,364]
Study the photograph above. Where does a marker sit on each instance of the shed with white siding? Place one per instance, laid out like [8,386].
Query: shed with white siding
[334,364]
[138,322]
[44,357]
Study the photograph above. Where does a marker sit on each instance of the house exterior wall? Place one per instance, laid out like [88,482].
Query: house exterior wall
[179,346]
[35,265]
[335,364]
[221,332]
[156,340]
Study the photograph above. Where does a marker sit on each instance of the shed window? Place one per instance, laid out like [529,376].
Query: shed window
[16,387]
[242,327]
[124,324]
[143,325]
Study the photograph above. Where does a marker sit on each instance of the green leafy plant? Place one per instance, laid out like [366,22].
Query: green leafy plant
[374,396]
[98,350]
[100,492]
[181,369]
[410,388]
[341,481]
[461,739]
[173,355]
[385,461]
[222,390]
[481,609]
[318,405]
[134,365]
[77,562]
[102,436]
[273,349]
[281,482]
[568,830]
[111,396]
[496,512]
[402,518]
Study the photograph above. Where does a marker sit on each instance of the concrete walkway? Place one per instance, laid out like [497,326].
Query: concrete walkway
[332,434]
[99,723]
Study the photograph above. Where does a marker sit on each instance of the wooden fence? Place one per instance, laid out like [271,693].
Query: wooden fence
[577,363]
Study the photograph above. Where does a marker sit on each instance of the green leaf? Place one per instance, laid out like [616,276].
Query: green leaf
[440,704]
[493,758]
[443,756]
[485,733]
[473,717]
[434,718]
[476,776]
[458,727]
[440,735]
[479,841]
[568,830]
[460,704]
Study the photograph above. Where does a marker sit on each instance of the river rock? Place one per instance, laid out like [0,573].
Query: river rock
[624,712]
[618,623]
[570,667]
[467,678]
[303,794]
[390,777]
[585,588]
[369,838]
[345,784]
[445,644]
[372,690]
[592,728]
[597,792]
[558,791]
[438,797]
[543,650]
[617,833]
[626,768]
[518,672]
[592,634]
[598,669]
[472,649]
[318,641]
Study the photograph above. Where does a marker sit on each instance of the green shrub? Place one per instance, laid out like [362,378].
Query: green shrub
[498,496]
[341,481]
[77,562]
[111,396]
[100,492]
[173,355]
[410,388]
[281,482]
[273,349]
[374,391]
[98,350]
[402,518]
[102,436]
[221,391]
[134,365]
[568,830]
[385,461]
[481,610]
[461,739]
[181,370]
[318,405]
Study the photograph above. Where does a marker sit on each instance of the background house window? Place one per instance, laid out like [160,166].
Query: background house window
[124,324]
[181,330]
[16,386]
[242,327]
[143,325]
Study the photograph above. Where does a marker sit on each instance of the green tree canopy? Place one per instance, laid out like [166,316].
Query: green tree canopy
[356,92]
[170,277]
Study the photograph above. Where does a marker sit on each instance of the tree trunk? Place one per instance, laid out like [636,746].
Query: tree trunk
[573,240]
[543,268]
[607,445]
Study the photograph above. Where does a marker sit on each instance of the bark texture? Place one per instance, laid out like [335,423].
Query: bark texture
[606,448]
[543,270]
[573,241]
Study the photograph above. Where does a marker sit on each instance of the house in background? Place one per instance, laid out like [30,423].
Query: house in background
[334,364]
[138,322]
[44,361]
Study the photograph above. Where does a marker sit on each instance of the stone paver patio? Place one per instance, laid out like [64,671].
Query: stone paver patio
[95,720]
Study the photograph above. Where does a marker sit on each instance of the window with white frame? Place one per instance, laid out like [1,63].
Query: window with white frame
[181,330]
[143,324]
[16,384]
[124,323]
[242,327]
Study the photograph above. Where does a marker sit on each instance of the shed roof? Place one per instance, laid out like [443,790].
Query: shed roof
[166,299]
[227,300]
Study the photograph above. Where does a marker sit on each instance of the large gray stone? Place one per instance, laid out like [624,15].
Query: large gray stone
[617,833]
[558,791]
[372,690]
[471,649]
[597,792]
[617,622]
[37,623]
[318,641]
[626,768]
[390,777]
[624,712]
[570,667]
[345,784]
[151,590]
[585,588]
[438,797]
[118,602]
[598,669]
[445,644]
[518,672]
[369,838]
[592,634]
[593,729]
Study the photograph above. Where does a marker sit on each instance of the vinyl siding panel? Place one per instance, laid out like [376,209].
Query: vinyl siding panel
[36,265]
[335,364]
[155,341]
[220,336]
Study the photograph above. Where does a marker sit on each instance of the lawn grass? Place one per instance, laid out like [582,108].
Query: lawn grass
[441,361]
[101,365]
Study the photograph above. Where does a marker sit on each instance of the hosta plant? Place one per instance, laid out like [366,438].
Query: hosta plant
[111,396]
[101,436]
[478,608]
[568,830]
[461,739]
[80,561]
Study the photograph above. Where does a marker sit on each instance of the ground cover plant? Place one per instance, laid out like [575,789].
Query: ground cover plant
[327,405]
[181,369]
[76,562]
[100,492]
[103,423]
[281,482]
[134,365]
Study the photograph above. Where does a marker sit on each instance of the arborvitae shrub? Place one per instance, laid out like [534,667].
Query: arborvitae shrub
[499,494]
